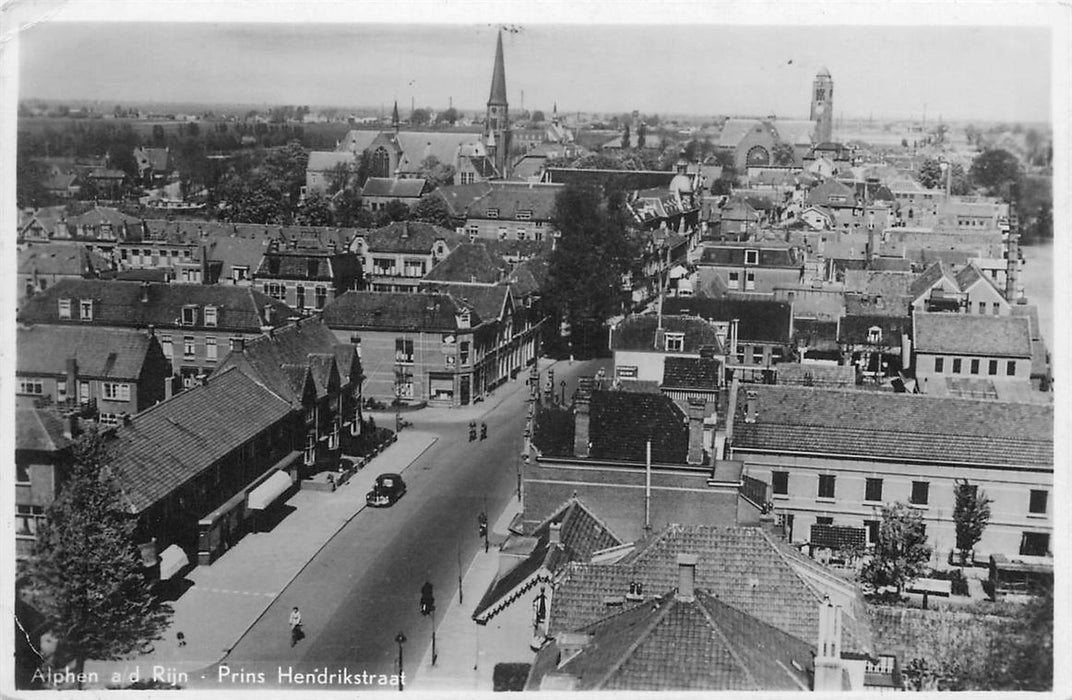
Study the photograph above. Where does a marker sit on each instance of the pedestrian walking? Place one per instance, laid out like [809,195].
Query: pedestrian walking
[295,626]
[182,639]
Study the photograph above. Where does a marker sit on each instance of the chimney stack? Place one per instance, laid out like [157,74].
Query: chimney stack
[72,378]
[581,420]
[145,292]
[686,577]
[750,409]
[554,534]
[696,432]
[828,667]
[70,426]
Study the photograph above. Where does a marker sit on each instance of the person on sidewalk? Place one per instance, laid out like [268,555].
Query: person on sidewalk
[295,626]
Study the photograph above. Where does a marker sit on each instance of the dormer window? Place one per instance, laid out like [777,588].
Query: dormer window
[65,308]
[312,267]
[189,315]
[463,319]
[751,257]
[874,335]
[675,342]
[524,215]
[493,213]
[210,316]
[85,309]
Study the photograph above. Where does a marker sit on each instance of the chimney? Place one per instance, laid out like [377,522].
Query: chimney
[686,577]
[696,433]
[70,426]
[238,344]
[750,408]
[145,292]
[734,324]
[72,377]
[580,430]
[269,313]
[828,668]
[169,387]
[554,534]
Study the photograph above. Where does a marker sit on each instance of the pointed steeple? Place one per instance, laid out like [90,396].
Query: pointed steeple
[498,76]
[394,117]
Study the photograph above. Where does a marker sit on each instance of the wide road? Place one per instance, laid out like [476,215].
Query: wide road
[363,588]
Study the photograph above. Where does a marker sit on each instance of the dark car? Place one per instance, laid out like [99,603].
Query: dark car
[387,489]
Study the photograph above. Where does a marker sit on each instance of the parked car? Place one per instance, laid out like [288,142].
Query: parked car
[387,489]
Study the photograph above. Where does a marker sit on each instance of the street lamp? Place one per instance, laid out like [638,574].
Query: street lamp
[562,399]
[400,639]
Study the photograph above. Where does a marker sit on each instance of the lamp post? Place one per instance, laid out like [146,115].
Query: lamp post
[400,639]
[562,397]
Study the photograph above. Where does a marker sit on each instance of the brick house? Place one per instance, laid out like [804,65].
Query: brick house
[750,268]
[43,441]
[643,343]
[395,257]
[307,274]
[44,264]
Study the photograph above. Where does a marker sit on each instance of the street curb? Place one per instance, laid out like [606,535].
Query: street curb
[319,549]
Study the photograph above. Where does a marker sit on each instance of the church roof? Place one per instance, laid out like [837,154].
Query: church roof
[498,76]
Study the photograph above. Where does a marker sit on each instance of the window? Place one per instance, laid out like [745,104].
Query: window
[920,493]
[403,350]
[996,309]
[29,385]
[524,215]
[751,257]
[1035,544]
[675,342]
[493,213]
[165,344]
[521,234]
[992,367]
[22,473]
[473,231]
[872,531]
[210,349]
[210,316]
[1038,501]
[300,303]
[463,352]
[468,178]
[874,335]
[114,391]
[321,297]
[187,347]
[310,449]
[239,273]
[27,520]
[85,309]
[826,485]
[975,366]
[189,315]
[780,483]
[956,365]
[1010,368]
[65,308]
[824,520]
[749,280]
[939,364]
[982,307]
[735,280]
[873,490]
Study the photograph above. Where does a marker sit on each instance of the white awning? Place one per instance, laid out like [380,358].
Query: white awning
[172,560]
[263,496]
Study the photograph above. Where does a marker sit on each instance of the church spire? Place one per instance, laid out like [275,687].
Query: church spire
[394,117]
[498,76]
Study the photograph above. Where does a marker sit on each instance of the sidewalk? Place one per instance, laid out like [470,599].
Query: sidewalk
[468,652]
[228,597]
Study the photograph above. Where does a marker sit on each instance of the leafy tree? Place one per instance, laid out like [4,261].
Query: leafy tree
[783,153]
[394,210]
[537,116]
[593,256]
[641,135]
[420,116]
[86,570]
[447,116]
[437,173]
[995,170]
[930,174]
[625,137]
[339,177]
[901,552]
[971,515]
[314,211]
[30,176]
[349,212]
[433,210]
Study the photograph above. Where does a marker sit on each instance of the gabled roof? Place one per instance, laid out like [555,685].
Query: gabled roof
[488,302]
[38,429]
[280,360]
[98,216]
[814,374]
[173,442]
[530,277]
[691,373]
[972,334]
[410,188]
[511,198]
[60,259]
[444,146]
[469,262]
[970,275]
[854,328]
[101,353]
[639,333]
[320,161]
[761,320]
[357,140]
[700,643]
[888,426]
[734,130]
[407,237]
[823,193]
[930,277]
[730,254]
[742,566]
[239,309]
[393,311]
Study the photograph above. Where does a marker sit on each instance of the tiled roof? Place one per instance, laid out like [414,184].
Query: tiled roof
[407,237]
[39,430]
[357,140]
[814,332]
[469,262]
[101,353]
[640,333]
[880,283]
[60,259]
[240,309]
[741,566]
[509,198]
[390,187]
[814,374]
[173,442]
[308,265]
[971,334]
[970,274]
[928,278]
[691,373]
[489,302]
[733,130]
[896,427]
[854,328]
[530,277]
[418,145]
[829,193]
[306,344]
[761,320]
[887,264]
[103,215]
[327,160]
[458,198]
[392,310]
[726,254]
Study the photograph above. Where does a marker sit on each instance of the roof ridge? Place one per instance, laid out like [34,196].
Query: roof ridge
[725,639]
[654,620]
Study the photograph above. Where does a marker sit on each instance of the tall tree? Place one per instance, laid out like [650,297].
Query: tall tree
[625,138]
[901,551]
[783,153]
[86,569]
[438,174]
[447,116]
[420,116]
[314,211]
[971,515]
[641,135]
[996,170]
[433,210]
[394,210]
[349,212]
[930,174]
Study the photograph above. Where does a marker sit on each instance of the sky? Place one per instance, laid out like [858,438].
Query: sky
[690,66]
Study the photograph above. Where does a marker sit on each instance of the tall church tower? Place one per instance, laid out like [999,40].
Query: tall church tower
[497,126]
[822,106]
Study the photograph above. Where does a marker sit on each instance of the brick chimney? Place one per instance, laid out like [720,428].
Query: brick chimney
[686,577]
[145,292]
[580,430]
[696,431]
[828,666]
[72,378]
[750,407]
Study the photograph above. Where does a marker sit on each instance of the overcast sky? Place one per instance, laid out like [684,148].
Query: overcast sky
[958,72]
